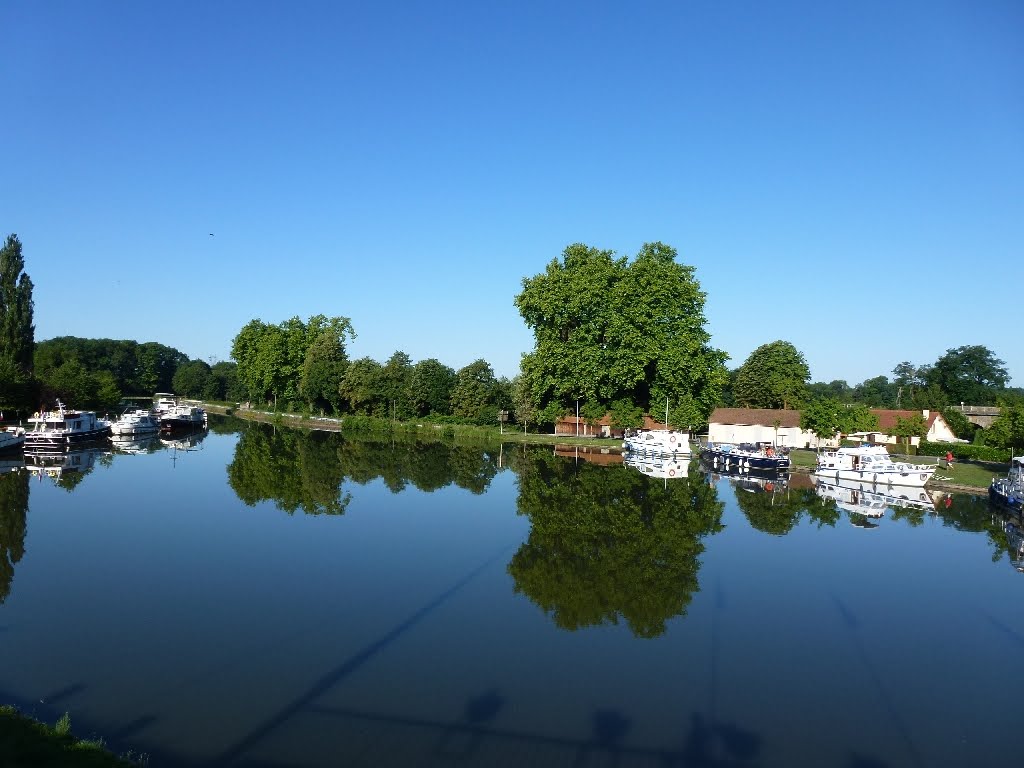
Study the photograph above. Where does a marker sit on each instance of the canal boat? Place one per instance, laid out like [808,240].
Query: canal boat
[65,426]
[761,458]
[11,439]
[137,422]
[1009,490]
[871,464]
[183,417]
[657,442]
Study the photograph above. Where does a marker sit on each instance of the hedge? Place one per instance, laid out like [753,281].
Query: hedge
[965,451]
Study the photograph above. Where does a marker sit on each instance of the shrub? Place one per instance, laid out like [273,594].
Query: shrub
[965,451]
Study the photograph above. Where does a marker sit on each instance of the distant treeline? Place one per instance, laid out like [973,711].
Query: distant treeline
[100,372]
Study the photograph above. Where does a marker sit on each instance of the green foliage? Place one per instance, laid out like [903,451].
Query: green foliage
[857,418]
[191,379]
[607,329]
[63,726]
[962,427]
[774,376]
[912,426]
[779,513]
[878,392]
[272,358]
[964,451]
[1007,431]
[136,368]
[17,332]
[969,374]
[323,370]
[396,385]
[626,415]
[475,396]
[823,418]
[361,387]
[430,389]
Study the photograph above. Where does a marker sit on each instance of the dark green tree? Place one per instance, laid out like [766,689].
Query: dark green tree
[606,329]
[323,371]
[912,426]
[17,332]
[822,417]
[396,385]
[878,392]
[962,427]
[476,394]
[1007,431]
[970,374]
[774,376]
[361,387]
[191,379]
[431,388]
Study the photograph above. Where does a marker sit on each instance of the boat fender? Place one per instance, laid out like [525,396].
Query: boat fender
[672,438]
[671,473]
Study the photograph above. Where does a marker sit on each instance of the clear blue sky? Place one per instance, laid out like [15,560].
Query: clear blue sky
[844,176]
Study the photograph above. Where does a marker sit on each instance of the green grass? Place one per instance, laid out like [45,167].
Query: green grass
[27,743]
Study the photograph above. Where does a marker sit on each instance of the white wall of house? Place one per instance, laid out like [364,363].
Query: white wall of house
[791,437]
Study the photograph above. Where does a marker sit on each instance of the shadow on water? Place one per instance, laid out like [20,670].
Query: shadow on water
[463,739]
[343,670]
[1010,632]
[853,624]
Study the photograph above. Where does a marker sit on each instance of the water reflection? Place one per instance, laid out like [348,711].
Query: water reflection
[608,544]
[306,470]
[871,500]
[65,468]
[775,504]
[13,514]
[660,467]
[142,444]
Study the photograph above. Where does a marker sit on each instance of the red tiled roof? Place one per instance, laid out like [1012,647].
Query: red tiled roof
[765,417]
[887,418]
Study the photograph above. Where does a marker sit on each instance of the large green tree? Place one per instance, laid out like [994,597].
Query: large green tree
[970,374]
[17,333]
[774,376]
[607,328]
[476,395]
[431,387]
[272,358]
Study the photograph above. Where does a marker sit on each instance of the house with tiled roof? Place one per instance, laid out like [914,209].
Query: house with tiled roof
[763,425]
[938,429]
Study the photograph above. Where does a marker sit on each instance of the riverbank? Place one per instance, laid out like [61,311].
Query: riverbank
[961,477]
[25,741]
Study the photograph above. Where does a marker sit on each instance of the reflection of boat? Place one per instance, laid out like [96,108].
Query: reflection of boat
[11,464]
[872,464]
[54,463]
[1009,490]
[1015,543]
[871,500]
[11,438]
[183,441]
[756,483]
[745,457]
[660,466]
[657,442]
[137,422]
[858,520]
[65,427]
[135,444]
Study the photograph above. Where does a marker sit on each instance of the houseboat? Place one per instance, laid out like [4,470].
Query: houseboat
[745,457]
[871,464]
[137,422]
[11,438]
[657,442]
[1009,490]
[64,426]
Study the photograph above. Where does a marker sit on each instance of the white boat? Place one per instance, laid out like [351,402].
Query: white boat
[63,427]
[1009,490]
[657,442]
[11,438]
[871,464]
[137,422]
[661,466]
[869,500]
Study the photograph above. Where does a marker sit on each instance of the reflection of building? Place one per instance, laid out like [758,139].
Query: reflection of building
[591,454]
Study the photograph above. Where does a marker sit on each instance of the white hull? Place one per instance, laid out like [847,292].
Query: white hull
[658,442]
[909,479]
[871,464]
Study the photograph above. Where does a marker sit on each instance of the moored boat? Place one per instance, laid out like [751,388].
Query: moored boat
[11,438]
[65,427]
[745,457]
[871,464]
[658,442]
[1009,490]
[183,417]
[137,422]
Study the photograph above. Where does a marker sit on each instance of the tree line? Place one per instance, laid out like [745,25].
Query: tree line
[613,335]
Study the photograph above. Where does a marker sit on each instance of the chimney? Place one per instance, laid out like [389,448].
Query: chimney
[926,413]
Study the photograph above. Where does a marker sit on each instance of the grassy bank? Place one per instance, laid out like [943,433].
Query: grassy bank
[26,743]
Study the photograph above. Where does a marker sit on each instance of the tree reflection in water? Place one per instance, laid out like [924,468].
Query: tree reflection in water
[609,543]
[779,511]
[13,514]
[305,471]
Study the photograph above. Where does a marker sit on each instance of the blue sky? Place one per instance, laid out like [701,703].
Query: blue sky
[844,176]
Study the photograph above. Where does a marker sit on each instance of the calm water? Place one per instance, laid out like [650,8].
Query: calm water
[269,598]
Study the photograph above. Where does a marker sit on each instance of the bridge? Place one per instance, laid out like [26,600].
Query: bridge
[982,415]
